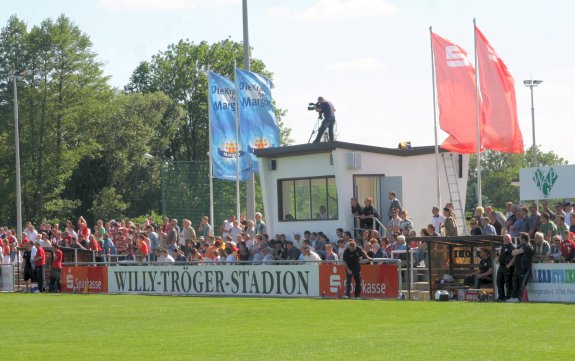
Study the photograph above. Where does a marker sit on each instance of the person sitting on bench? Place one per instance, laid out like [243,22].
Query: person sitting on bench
[484,275]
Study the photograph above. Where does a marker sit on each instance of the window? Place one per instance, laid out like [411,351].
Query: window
[305,199]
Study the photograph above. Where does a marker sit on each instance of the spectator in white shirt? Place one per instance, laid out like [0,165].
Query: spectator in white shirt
[165,257]
[437,219]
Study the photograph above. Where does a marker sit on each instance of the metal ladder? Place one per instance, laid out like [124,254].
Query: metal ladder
[454,194]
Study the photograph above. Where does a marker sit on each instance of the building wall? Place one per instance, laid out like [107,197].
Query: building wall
[418,183]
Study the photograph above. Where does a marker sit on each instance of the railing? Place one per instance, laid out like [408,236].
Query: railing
[377,225]
[223,263]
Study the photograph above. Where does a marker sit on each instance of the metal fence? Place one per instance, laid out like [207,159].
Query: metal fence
[185,190]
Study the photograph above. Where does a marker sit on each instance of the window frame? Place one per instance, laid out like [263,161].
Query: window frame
[280,194]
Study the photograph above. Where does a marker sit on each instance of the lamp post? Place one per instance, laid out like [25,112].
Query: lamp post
[15,74]
[531,84]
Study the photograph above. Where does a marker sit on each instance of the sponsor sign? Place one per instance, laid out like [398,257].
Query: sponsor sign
[7,278]
[224,280]
[379,280]
[84,279]
[552,282]
[547,182]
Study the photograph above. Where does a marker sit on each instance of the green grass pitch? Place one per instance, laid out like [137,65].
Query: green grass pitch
[132,327]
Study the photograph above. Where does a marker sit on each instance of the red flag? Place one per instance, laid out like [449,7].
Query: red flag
[499,127]
[455,78]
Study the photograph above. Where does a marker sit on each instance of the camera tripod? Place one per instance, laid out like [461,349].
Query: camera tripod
[315,128]
[325,136]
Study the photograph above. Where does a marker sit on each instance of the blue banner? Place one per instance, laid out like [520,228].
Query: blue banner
[225,147]
[258,123]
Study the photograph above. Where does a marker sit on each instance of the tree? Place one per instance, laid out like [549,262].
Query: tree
[498,171]
[61,99]
[108,205]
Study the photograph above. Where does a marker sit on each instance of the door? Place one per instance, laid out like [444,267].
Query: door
[386,185]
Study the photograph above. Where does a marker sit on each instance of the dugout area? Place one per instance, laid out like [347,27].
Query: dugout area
[454,256]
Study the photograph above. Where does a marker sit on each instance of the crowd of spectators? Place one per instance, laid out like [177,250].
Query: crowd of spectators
[246,240]
[551,231]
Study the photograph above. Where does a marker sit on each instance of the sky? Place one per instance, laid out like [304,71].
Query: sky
[371,58]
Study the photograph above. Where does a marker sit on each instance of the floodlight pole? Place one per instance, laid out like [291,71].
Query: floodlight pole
[15,74]
[530,84]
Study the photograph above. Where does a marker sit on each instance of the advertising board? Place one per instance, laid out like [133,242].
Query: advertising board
[224,280]
[379,280]
[552,282]
[84,279]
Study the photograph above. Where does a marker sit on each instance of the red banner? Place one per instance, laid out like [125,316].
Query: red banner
[500,127]
[379,281]
[84,279]
[455,79]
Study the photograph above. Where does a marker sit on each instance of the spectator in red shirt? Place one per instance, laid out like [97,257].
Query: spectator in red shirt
[39,262]
[94,245]
[56,271]
[83,228]
[143,249]
[568,248]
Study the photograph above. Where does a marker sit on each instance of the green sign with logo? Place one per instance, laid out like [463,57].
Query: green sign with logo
[545,181]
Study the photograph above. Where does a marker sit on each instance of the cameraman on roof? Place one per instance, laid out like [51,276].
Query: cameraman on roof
[327,111]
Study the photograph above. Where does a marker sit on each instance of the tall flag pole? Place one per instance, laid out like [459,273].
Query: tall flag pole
[211,159]
[250,184]
[477,123]
[435,121]
[237,114]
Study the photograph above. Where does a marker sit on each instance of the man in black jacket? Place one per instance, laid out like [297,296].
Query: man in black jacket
[522,262]
[505,271]
[352,257]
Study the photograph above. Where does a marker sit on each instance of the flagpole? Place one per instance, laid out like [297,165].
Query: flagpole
[477,125]
[250,184]
[435,120]
[211,161]
[237,114]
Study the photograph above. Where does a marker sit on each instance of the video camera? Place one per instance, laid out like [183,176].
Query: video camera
[312,106]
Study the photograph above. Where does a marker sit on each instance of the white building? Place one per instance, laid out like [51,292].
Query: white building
[298,180]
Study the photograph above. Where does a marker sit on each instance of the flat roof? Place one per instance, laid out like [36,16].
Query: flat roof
[326,147]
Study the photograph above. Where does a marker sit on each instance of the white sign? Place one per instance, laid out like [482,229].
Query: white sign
[547,182]
[7,278]
[229,280]
[552,282]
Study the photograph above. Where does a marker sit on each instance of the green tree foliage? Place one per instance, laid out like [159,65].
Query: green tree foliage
[498,171]
[108,205]
[62,99]
[81,141]
[134,124]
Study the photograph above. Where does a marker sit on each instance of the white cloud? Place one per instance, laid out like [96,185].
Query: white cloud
[360,64]
[159,5]
[335,10]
